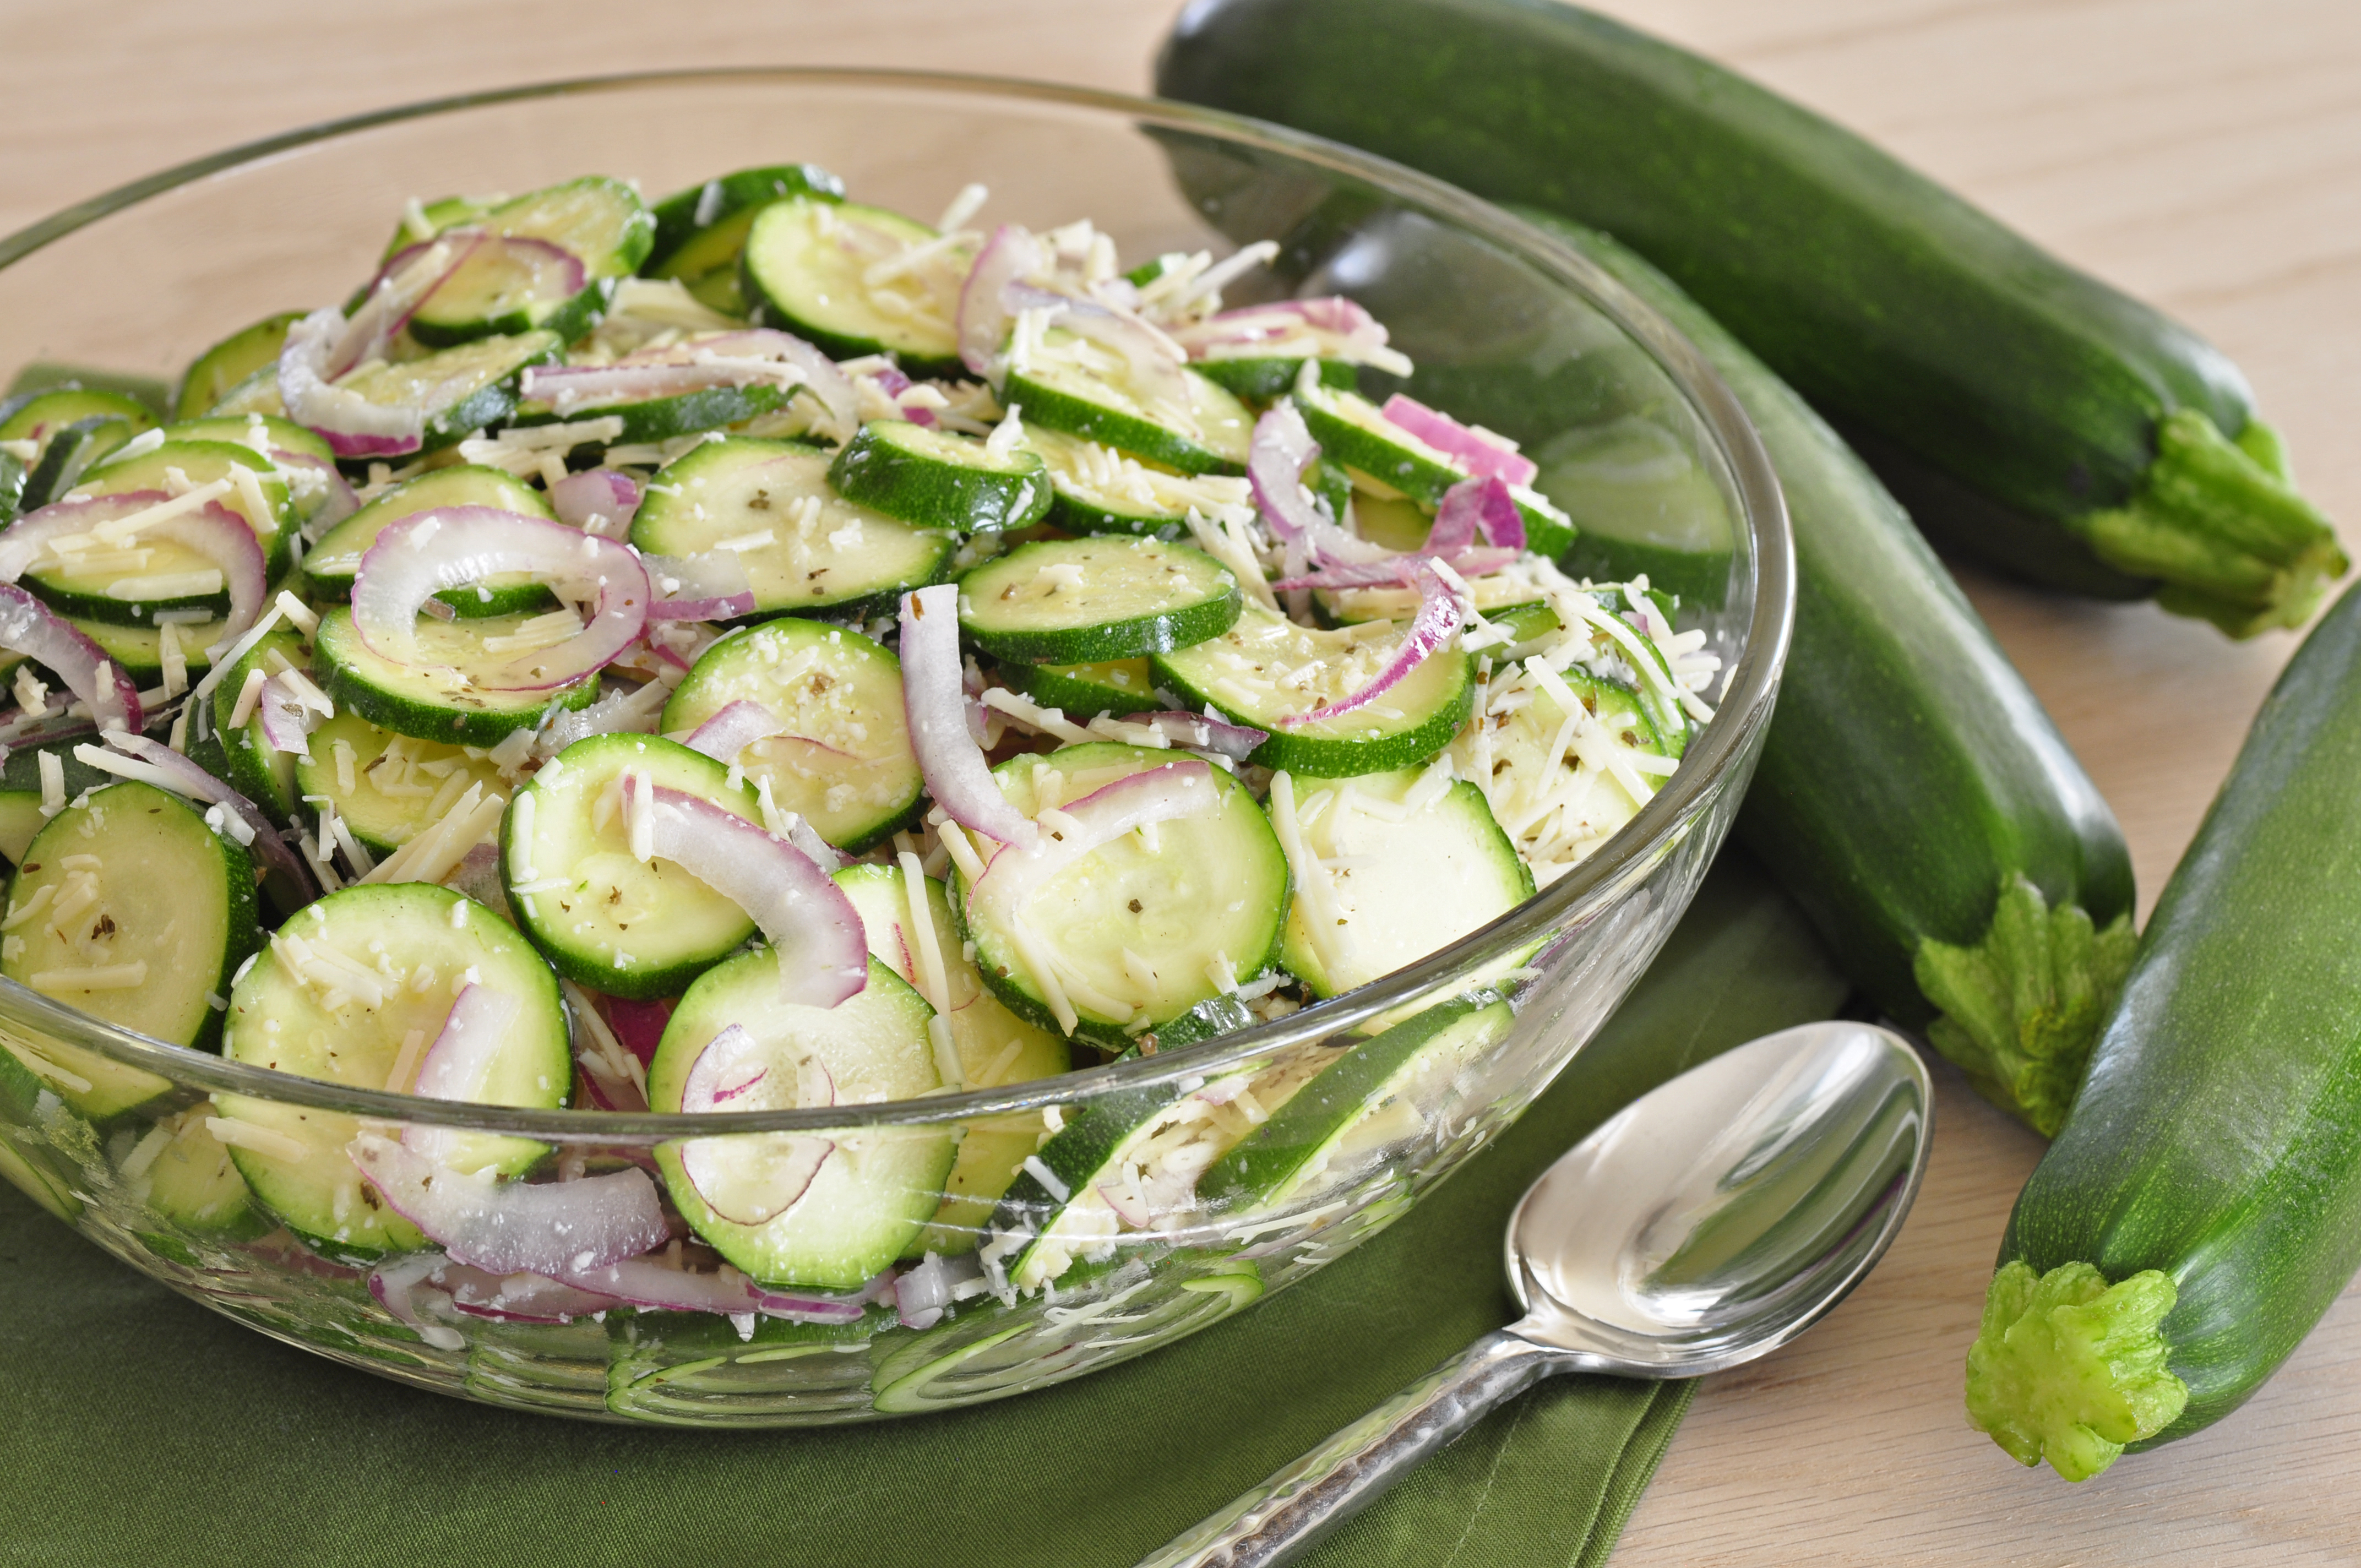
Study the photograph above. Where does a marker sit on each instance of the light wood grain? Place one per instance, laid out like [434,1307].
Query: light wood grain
[2204,153]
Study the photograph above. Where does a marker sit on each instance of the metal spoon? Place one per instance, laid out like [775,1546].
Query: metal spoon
[1707,1223]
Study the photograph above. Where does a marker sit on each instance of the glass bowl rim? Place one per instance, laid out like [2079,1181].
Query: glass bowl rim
[1575,897]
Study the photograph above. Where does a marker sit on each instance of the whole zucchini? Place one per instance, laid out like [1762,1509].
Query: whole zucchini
[2031,413]
[2202,1206]
[1913,797]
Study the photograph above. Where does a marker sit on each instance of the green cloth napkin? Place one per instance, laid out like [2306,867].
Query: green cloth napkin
[136,1426]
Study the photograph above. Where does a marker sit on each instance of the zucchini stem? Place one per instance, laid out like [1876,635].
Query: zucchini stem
[2070,1368]
[2221,524]
[2022,1008]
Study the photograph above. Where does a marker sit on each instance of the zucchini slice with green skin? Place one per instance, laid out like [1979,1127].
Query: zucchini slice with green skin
[210,375]
[666,419]
[21,817]
[995,1048]
[191,1183]
[875,1185]
[802,270]
[1101,490]
[939,478]
[27,1160]
[1377,1096]
[12,487]
[805,548]
[258,394]
[1897,711]
[308,1005]
[1124,1158]
[1083,692]
[102,590]
[140,649]
[254,768]
[134,911]
[2110,440]
[1267,378]
[1133,935]
[606,918]
[1266,669]
[2201,1206]
[1393,867]
[39,416]
[464,389]
[600,222]
[387,788]
[1353,435]
[1062,388]
[331,563]
[68,454]
[434,699]
[701,231]
[842,758]
[1096,599]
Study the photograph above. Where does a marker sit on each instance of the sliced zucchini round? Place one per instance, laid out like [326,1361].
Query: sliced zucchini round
[41,415]
[843,760]
[606,918]
[1266,669]
[258,771]
[654,419]
[1353,432]
[1084,692]
[258,394]
[599,222]
[140,649]
[1378,1097]
[124,586]
[1403,867]
[1207,431]
[803,270]
[435,699]
[146,914]
[462,389]
[12,487]
[331,563]
[876,1186]
[194,1185]
[1101,491]
[212,374]
[804,547]
[939,478]
[21,796]
[1267,378]
[388,789]
[1096,599]
[1144,931]
[1546,788]
[67,455]
[340,994]
[994,1045]
[701,231]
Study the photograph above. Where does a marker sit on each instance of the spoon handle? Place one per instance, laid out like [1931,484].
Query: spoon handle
[1325,1487]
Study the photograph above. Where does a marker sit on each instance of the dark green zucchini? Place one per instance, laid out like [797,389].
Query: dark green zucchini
[2202,1206]
[2110,448]
[1913,797]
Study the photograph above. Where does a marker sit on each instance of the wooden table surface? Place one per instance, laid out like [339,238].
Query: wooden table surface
[2204,154]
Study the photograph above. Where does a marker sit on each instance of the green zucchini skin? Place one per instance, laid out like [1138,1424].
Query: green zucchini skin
[1909,772]
[2217,1137]
[1893,304]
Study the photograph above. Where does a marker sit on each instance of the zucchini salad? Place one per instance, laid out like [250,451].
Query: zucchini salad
[763,652]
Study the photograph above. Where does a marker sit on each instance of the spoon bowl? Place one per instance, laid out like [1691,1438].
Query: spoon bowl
[1709,1222]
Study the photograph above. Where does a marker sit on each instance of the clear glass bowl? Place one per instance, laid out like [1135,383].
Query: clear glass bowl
[1508,329]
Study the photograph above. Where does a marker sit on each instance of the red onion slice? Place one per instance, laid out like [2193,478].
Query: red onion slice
[211,530]
[29,627]
[950,758]
[923,1294]
[341,502]
[658,1284]
[1482,455]
[509,1227]
[420,555]
[1281,450]
[595,500]
[1441,609]
[1399,572]
[1010,254]
[401,285]
[1354,331]
[831,386]
[751,1178]
[395,1284]
[640,1026]
[287,720]
[1165,794]
[892,383]
[822,951]
[1129,1205]
[189,779]
[569,387]
[712,586]
[736,727]
[1472,506]
[1154,361]
[518,1298]
[459,1063]
[1200,733]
